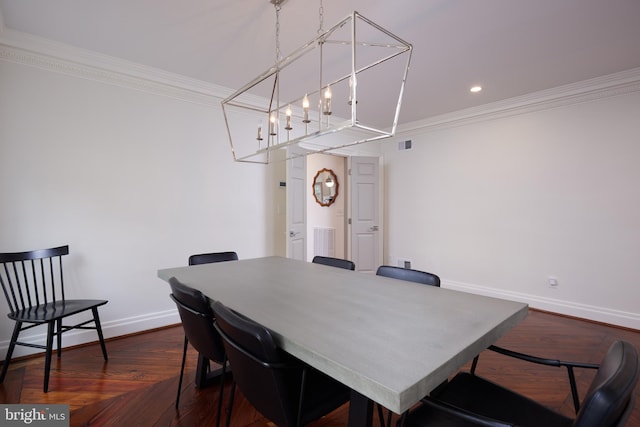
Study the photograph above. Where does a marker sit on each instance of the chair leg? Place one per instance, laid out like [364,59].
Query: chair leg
[59,337]
[12,345]
[233,391]
[221,392]
[184,356]
[474,365]
[47,363]
[574,389]
[96,320]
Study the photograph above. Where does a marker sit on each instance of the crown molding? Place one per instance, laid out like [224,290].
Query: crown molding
[26,49]
[46,54]
[607,86]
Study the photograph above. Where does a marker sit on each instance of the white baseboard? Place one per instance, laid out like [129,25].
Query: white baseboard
[568,308]
[110,329]
[129,325]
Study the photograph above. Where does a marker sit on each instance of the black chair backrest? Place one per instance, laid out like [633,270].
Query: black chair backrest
[197,320]
[212,257]
[408,275]
[609,398]
[263,372]
[334,262]
[32,278]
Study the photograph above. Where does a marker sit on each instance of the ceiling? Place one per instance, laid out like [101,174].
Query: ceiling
[510,47]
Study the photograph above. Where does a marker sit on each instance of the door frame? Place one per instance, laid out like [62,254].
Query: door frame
[296,232]
[381,218]
[346,191]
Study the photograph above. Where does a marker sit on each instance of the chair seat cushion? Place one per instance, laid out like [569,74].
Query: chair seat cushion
[55,310]
[483,397]
[425,415]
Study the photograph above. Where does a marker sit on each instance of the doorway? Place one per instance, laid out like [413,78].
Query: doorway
[327,225]
[351,227]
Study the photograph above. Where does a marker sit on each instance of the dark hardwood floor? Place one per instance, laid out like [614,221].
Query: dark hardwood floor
[137,386]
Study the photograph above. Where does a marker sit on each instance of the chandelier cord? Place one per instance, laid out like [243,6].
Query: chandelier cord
[275,91]
[321,18]
[278,53]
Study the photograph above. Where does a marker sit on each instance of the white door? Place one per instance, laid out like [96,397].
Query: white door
[297,208]
[366,240]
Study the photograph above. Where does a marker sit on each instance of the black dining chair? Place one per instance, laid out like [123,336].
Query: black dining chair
[203,370]
[334,262]
[282,388]
[469,400]
[33,284]
[197,321]
[408,275]
[212,257]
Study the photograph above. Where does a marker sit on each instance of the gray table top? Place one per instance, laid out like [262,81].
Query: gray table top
[390,340]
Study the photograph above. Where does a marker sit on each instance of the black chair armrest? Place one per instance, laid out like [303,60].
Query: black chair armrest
[464,415]
[541,360]
[547,362]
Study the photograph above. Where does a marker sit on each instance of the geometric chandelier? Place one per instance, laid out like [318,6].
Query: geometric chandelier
[342,88]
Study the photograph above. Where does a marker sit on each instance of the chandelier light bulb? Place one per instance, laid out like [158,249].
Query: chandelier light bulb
[288,114]
[350,90]
[272,125]
[305,107]
[327,101]
[259,138]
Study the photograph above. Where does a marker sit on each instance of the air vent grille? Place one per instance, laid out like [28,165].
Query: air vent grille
[404,145]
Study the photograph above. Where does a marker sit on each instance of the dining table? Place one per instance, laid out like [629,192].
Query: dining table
[390,341]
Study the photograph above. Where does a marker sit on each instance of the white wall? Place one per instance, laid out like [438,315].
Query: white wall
[132,180]
[499,205]
[136,174]
[326,216]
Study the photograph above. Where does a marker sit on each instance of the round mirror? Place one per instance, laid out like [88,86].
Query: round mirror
[325,187]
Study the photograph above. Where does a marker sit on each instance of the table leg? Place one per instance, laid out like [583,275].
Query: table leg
[204,376]
[360,410]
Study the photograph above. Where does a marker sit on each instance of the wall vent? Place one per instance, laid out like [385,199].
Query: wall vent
[404,145]
[324,241]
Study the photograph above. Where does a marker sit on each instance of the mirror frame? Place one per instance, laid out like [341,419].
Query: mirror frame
[313,187]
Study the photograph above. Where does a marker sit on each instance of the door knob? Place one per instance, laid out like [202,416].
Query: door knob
[293,233]
[374,228]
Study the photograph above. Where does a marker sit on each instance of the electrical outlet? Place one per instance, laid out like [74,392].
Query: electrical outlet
[404,263]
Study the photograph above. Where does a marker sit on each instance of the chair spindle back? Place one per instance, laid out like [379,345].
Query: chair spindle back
[32,278]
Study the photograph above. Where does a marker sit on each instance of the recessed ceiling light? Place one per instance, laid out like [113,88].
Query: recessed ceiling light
[475,89]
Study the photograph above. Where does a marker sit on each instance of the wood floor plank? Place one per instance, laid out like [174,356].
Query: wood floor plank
[138,385]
